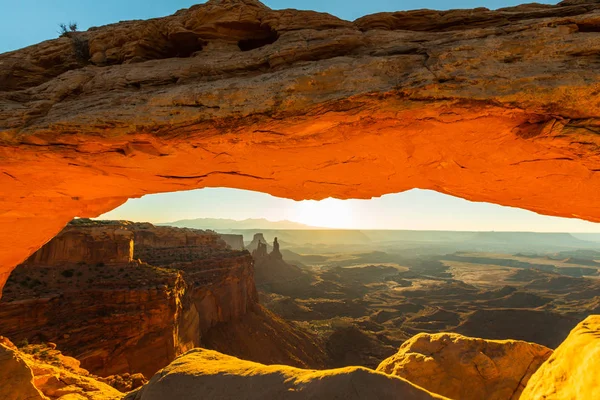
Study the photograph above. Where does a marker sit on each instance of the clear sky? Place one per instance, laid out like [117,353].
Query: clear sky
[26,22]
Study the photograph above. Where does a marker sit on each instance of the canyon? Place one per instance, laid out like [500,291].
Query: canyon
[496,106]
[165,296]
[126,297]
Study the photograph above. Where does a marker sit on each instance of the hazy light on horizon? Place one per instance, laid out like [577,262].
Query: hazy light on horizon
[414,210]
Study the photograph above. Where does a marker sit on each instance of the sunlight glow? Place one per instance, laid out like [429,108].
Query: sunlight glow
[415,209]
[328,213]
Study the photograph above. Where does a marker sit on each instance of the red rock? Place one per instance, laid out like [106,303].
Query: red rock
[491,106]
[121,316]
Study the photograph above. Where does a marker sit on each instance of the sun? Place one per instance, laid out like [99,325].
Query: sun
[328,213]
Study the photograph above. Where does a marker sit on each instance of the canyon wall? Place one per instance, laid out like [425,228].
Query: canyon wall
[105,244]
[127,316]
[236,242]
[494,106]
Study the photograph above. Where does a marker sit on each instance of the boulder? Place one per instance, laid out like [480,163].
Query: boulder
[16,378]
[467,368]
[205,374]
[573,371]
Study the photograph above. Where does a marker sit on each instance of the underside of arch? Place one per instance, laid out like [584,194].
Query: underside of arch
[497,106]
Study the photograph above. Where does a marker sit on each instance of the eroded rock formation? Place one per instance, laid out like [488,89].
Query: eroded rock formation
[17,378]
[572,371]
[126,316]
[186,288]
[236,242]
[205,374]
[39,376]
[270,270]
[488,105]
[465,368]
[258,239]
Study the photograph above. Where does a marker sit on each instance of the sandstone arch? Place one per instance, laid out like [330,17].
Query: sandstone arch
[499,106]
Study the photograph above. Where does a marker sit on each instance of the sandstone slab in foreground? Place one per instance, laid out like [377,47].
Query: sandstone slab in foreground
[573,371]
[47,375]
[205,374]
[16,378]
[466,368]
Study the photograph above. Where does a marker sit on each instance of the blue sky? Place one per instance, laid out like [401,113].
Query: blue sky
[26,22]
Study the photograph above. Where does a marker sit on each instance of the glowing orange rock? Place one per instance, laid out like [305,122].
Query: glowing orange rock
[465,368]
[494,106]
[572,371]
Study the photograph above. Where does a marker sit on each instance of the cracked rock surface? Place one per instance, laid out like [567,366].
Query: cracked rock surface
[461,367]
[497,106]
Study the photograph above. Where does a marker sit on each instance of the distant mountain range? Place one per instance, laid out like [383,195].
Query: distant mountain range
[294,234]
[227,225]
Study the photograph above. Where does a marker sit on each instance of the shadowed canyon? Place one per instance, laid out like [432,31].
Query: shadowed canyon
[488,105]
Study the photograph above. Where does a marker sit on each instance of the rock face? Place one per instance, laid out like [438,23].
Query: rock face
[257,240]
[270,270]
[109,245]
[204,374]
[488,105]
[185,289]
[466,368]
[28,377]
[128,316]
[236,242]
[16,380]
[572,371]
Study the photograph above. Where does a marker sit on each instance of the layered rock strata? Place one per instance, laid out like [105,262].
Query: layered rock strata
[572,371]
[44,376]
[491,106]
[128,316]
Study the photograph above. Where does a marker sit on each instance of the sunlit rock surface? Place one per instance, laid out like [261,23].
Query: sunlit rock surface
[465,368]
[16,379]
[573,371]
[204,374]
[185,289]
[43,376]
[492,106]
[83,292]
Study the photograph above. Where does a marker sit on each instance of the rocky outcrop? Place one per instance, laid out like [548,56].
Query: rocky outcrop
[102,244]
[261,251]
[276,254]
[488,105]
[465,368]
[236,242]
[16,380]
[257,239]
[572,371]
[271,272]
[205,374]
[44,376]
[114,319]
[185,289]
[133,316]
